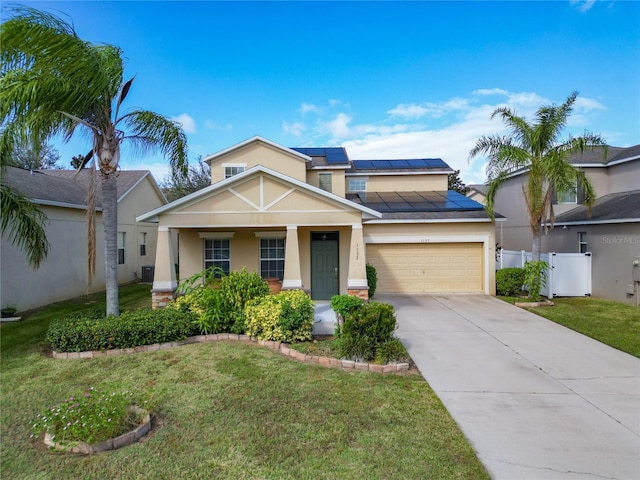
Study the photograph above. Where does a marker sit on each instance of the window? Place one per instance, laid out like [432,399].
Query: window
[121,244]
[217,254]
[231,170]
[568,196]
[324,182]
[357,184]
[582,242]
[272,258]
[143,244]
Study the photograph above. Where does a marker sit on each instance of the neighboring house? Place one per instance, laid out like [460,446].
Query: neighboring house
[62,196]
[313,218]
[478,193]
[611,232]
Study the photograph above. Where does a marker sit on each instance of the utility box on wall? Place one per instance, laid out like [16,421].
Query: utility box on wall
[147,273]
[636,270]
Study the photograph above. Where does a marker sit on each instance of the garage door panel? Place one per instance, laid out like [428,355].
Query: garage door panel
[427,268]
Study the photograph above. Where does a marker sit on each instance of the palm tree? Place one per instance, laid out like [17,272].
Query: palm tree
[54,82]
[538,148]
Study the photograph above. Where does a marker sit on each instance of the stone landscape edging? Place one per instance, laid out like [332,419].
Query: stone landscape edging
[282,348]
[110,444]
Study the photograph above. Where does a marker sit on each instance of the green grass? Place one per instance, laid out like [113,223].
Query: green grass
[613,323]
[229,410]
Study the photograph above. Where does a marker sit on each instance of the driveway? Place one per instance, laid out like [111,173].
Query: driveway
[535,399]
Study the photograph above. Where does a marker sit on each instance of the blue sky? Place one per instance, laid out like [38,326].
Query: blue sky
[383,79]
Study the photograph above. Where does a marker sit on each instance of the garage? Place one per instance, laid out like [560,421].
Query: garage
[427,267]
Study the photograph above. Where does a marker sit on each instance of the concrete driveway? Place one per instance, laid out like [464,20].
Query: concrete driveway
[536,400]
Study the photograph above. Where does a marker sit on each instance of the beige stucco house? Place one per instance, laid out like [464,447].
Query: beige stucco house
[313,218]
[611,232]
[62,196]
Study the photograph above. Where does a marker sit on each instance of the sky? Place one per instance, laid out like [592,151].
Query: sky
[383,79]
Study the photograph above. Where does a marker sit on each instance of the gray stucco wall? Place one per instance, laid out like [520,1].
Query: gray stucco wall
[613,246]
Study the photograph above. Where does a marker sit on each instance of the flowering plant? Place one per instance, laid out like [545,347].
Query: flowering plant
[91,417]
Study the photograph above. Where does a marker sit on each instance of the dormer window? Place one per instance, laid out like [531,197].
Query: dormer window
[232,169]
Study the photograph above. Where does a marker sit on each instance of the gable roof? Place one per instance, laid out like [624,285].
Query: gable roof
[613,208]
[255,140]
[66,189]
[152,216]
[479,188]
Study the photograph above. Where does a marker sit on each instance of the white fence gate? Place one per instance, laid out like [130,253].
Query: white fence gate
[568,275]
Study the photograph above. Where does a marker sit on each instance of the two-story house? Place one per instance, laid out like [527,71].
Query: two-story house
[313,218]
[611,232]
[62,195]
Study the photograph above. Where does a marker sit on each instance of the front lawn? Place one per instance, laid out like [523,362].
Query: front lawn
[228,410]
[613,323]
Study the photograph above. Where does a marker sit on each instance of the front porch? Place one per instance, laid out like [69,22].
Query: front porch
[323,260]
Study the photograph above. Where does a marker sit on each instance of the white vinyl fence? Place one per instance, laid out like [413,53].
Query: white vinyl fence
[568,275]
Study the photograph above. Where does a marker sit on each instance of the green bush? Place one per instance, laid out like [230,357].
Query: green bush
[342,305]
[84,332]
[372,279]
[236,289]
[392,351]
[205,303]
[284,317]
[535,278]
[509,281]
[365,329]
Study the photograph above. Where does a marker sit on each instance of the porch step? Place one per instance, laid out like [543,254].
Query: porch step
[324,319]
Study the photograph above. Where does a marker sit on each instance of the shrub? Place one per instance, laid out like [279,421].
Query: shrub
[93,416]
[392,351]
[284,317]
[509,281]
[535,278]
[372,279]
[343,305]
[236,289]
[84,332]
[205,303]
[365,329]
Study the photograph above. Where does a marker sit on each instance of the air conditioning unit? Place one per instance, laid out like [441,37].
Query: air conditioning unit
[147,273]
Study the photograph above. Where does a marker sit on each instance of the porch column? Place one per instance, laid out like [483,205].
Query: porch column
[357,277]
[164,279]
[292,273]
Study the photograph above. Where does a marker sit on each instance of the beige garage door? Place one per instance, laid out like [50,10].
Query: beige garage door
[427,267]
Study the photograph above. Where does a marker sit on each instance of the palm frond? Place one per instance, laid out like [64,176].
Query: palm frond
[151,132]
[24,225]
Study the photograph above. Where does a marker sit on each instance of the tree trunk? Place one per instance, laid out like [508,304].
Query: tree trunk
[536,246]
[110,221]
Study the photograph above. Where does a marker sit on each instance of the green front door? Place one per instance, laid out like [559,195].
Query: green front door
[324,265]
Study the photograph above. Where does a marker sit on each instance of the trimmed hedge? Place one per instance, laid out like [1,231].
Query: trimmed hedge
[509,280]
[90,331]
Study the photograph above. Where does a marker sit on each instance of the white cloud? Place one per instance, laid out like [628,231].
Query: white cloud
[491,91]
[309,107]
[428,109]
[211,125]
[187,122]
[338,127]
[408,111]
[583,5]
[454,126]
[295,128]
